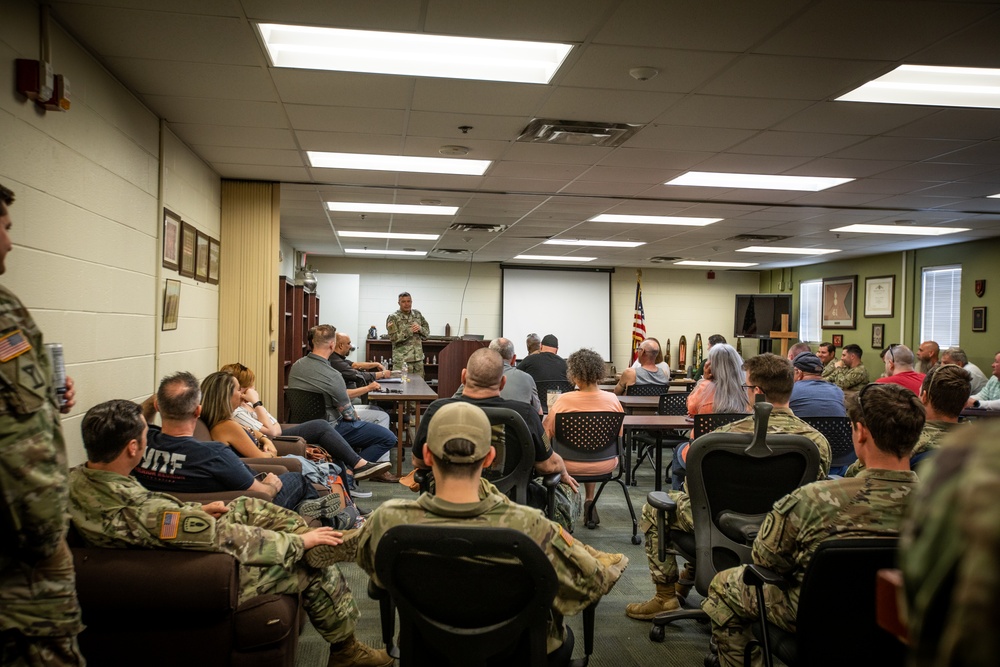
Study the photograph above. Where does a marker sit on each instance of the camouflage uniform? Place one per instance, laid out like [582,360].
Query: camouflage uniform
[39,614]
[781,421]
[868,505]
[930,438]
[849,379]
[116,512]
[406,345]
[950,552]
[582,579]
[828,370]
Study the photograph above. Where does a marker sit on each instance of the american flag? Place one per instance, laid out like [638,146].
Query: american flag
[169,525]
[639,322]
[12,345]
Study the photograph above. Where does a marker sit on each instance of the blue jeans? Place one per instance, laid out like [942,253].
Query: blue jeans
[369,440]
[294,489]
[323,434]
[678,469]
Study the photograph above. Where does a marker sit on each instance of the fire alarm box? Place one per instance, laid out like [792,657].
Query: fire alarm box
[34,79]
[59,100]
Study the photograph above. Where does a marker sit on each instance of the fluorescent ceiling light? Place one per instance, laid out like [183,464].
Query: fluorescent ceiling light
[412,54]
[713,179]
[599,244]
[905,230]
[366,251]
[416,209]
[390,235]
[555,258]
[692,262]
[996,196]
[654,219]
[423,165]
[779,250]
[934,86]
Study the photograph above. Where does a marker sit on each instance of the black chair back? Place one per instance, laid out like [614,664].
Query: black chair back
[511,471]
[552,385]
[450,624]
[588,436]
[674,403]
[303,406]
[708,422]
[646,389]
[733,480]
[837,431]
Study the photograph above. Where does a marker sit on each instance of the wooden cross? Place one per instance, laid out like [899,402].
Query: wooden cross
[784,335]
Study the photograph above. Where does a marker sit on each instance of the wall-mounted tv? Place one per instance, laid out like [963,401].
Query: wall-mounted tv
[757,315]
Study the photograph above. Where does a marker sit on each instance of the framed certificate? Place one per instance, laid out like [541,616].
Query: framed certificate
[879,296]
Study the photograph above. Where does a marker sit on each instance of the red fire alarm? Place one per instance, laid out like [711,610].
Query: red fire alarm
[711,275]
[34,79]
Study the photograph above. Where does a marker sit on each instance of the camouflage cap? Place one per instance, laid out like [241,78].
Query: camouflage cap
[459,420]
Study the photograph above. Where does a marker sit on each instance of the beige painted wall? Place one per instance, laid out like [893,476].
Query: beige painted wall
[87,224]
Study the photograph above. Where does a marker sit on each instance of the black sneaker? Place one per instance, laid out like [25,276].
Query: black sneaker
[369,469]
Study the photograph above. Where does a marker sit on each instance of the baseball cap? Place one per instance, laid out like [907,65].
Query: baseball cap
[808,362]
[550,341]
[459,420]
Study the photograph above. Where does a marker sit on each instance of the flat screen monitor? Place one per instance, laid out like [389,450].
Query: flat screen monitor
[757,315]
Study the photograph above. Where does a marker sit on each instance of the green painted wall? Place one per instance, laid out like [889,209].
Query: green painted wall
[979,261]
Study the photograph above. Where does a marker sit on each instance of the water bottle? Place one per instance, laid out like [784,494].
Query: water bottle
[405,373]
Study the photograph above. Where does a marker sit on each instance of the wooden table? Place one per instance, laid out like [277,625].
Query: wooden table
[650,423]
[685,384]
[415,390]
[980,412]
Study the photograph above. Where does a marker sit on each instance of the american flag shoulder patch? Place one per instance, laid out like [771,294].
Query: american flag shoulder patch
[13,344]
[169,525]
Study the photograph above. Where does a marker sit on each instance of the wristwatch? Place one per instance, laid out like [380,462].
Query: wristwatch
[257,404]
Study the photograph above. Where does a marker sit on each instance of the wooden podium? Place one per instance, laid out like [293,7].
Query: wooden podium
[451,361]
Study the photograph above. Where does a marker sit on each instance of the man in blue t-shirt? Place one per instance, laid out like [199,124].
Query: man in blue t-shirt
[175,461]
[812,396]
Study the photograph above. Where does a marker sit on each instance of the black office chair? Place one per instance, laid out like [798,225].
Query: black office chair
[734,479]
[303,406]
[708,422]
[552,385]
[646,389]
[674,403]
[837,431]
[824,610]
[494,610]
[593,437]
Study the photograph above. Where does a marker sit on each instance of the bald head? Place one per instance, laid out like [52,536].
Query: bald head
[484,370]
[928,352]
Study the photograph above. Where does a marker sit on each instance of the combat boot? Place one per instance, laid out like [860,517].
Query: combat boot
[664,600]
[352,652]
[684,584]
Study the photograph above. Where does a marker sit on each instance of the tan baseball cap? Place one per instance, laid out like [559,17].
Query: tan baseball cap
[459,420]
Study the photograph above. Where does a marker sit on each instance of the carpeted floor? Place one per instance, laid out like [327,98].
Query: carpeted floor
[618,640]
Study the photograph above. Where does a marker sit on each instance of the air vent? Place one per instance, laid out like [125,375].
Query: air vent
[450,251]
[471,227]
[758,237]
[663,260]
[577,133]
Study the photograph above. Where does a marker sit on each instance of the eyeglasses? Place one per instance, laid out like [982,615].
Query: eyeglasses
[761,396]
[892,357]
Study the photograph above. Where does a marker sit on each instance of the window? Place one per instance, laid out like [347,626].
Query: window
[941,297]
[810,310]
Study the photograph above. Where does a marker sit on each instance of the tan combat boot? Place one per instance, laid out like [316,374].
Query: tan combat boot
[352,652]
[664,600]
[683,586]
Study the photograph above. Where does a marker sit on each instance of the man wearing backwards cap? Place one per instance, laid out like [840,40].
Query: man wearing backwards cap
[547,365]
[458,447]
[812,396]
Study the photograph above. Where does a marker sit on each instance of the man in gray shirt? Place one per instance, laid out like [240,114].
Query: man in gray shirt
[314,373]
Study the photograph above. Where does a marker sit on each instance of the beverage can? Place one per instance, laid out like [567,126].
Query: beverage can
[55,351]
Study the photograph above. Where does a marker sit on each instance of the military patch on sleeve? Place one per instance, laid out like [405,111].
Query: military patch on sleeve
[169,524]
[785,505]
[765,528]
[12,345]
[194,524]
[567,538]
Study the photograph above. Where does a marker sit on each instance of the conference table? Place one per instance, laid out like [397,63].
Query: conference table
[650,423]
[414,389]
[685,384]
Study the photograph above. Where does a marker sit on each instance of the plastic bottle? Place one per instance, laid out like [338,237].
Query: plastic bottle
[435,362]
[405,373]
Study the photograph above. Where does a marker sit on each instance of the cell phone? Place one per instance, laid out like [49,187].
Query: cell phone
[260,476]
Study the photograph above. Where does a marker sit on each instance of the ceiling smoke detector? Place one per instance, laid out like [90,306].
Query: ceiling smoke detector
[577,133]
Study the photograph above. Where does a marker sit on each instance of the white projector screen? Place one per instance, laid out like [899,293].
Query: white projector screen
[575,306]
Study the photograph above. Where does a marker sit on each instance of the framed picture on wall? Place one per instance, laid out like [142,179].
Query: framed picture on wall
[837,340]
[840,298]
[171,305]
[879,296]
[213,262]
[189,240]
[979,318]
[878,336]
[201,258]
[171,239]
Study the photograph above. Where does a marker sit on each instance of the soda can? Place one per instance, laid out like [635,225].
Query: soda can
[55,351]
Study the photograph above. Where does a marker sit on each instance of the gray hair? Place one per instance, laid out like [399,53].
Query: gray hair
[957,356]
[534,342]
[729,378]
[504,346]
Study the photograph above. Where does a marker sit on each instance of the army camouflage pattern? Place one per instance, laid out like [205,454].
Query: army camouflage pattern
[116,512]
[582,579]
[869,505]
[930,438]
[406,345]
[37,584]
[828,370]
[950,552]
[848,379]
[782,420]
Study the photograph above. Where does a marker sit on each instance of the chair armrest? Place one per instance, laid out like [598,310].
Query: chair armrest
[661,501]
[551,483]
[289,444]
[274,464]
[758,575]
[225,496]
[664,505]
[423,478]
